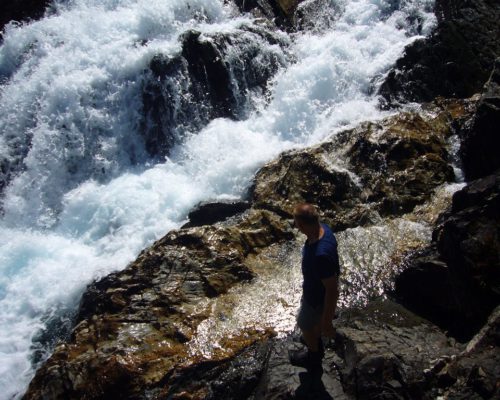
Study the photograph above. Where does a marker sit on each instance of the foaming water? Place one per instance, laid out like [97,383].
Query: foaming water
[84,197]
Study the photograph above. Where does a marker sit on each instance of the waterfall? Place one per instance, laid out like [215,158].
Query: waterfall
[118,116]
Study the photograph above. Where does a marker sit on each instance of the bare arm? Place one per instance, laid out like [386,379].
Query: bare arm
[330,305]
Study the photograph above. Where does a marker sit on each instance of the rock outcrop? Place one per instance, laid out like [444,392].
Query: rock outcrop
[213,76]
[455,61]
[387,350]
[383,168]
[481,140]
[133,325]
[457,283]
[207,213]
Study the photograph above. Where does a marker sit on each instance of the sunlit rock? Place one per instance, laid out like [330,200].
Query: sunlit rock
[133,325]
[378,169]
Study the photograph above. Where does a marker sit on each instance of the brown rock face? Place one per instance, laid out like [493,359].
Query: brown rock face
[133,324]
[383,168]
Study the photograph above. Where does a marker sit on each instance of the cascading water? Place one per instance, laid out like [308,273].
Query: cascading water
[88,180]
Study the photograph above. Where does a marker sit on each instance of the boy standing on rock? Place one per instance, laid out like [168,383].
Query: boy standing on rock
[320,269]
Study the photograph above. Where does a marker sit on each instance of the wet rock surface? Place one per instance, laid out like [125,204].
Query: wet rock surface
[377,169]
[214,76]
[133,325]
[455,61]
[207,213]
[262,371]
[133,330]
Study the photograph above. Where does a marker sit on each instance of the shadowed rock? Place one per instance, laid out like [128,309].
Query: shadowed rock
[207,213]
[387,350]
[281,12]
[22,10]
[458,287]
[455,61]
[474,372]
[479,149]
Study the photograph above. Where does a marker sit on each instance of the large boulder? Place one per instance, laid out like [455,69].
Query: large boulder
[387,351]
[455,61]
[383,168]
[213,76]
[481,141]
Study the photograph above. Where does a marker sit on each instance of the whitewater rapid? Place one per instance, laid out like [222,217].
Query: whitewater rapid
[85,196]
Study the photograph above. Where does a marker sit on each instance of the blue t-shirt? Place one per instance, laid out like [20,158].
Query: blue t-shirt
[320,260]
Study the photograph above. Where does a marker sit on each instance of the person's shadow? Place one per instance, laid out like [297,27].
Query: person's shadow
[311,386]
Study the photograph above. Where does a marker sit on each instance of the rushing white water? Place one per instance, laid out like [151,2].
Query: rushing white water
[85,197]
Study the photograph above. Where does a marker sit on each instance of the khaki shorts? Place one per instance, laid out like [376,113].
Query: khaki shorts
[308,316]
